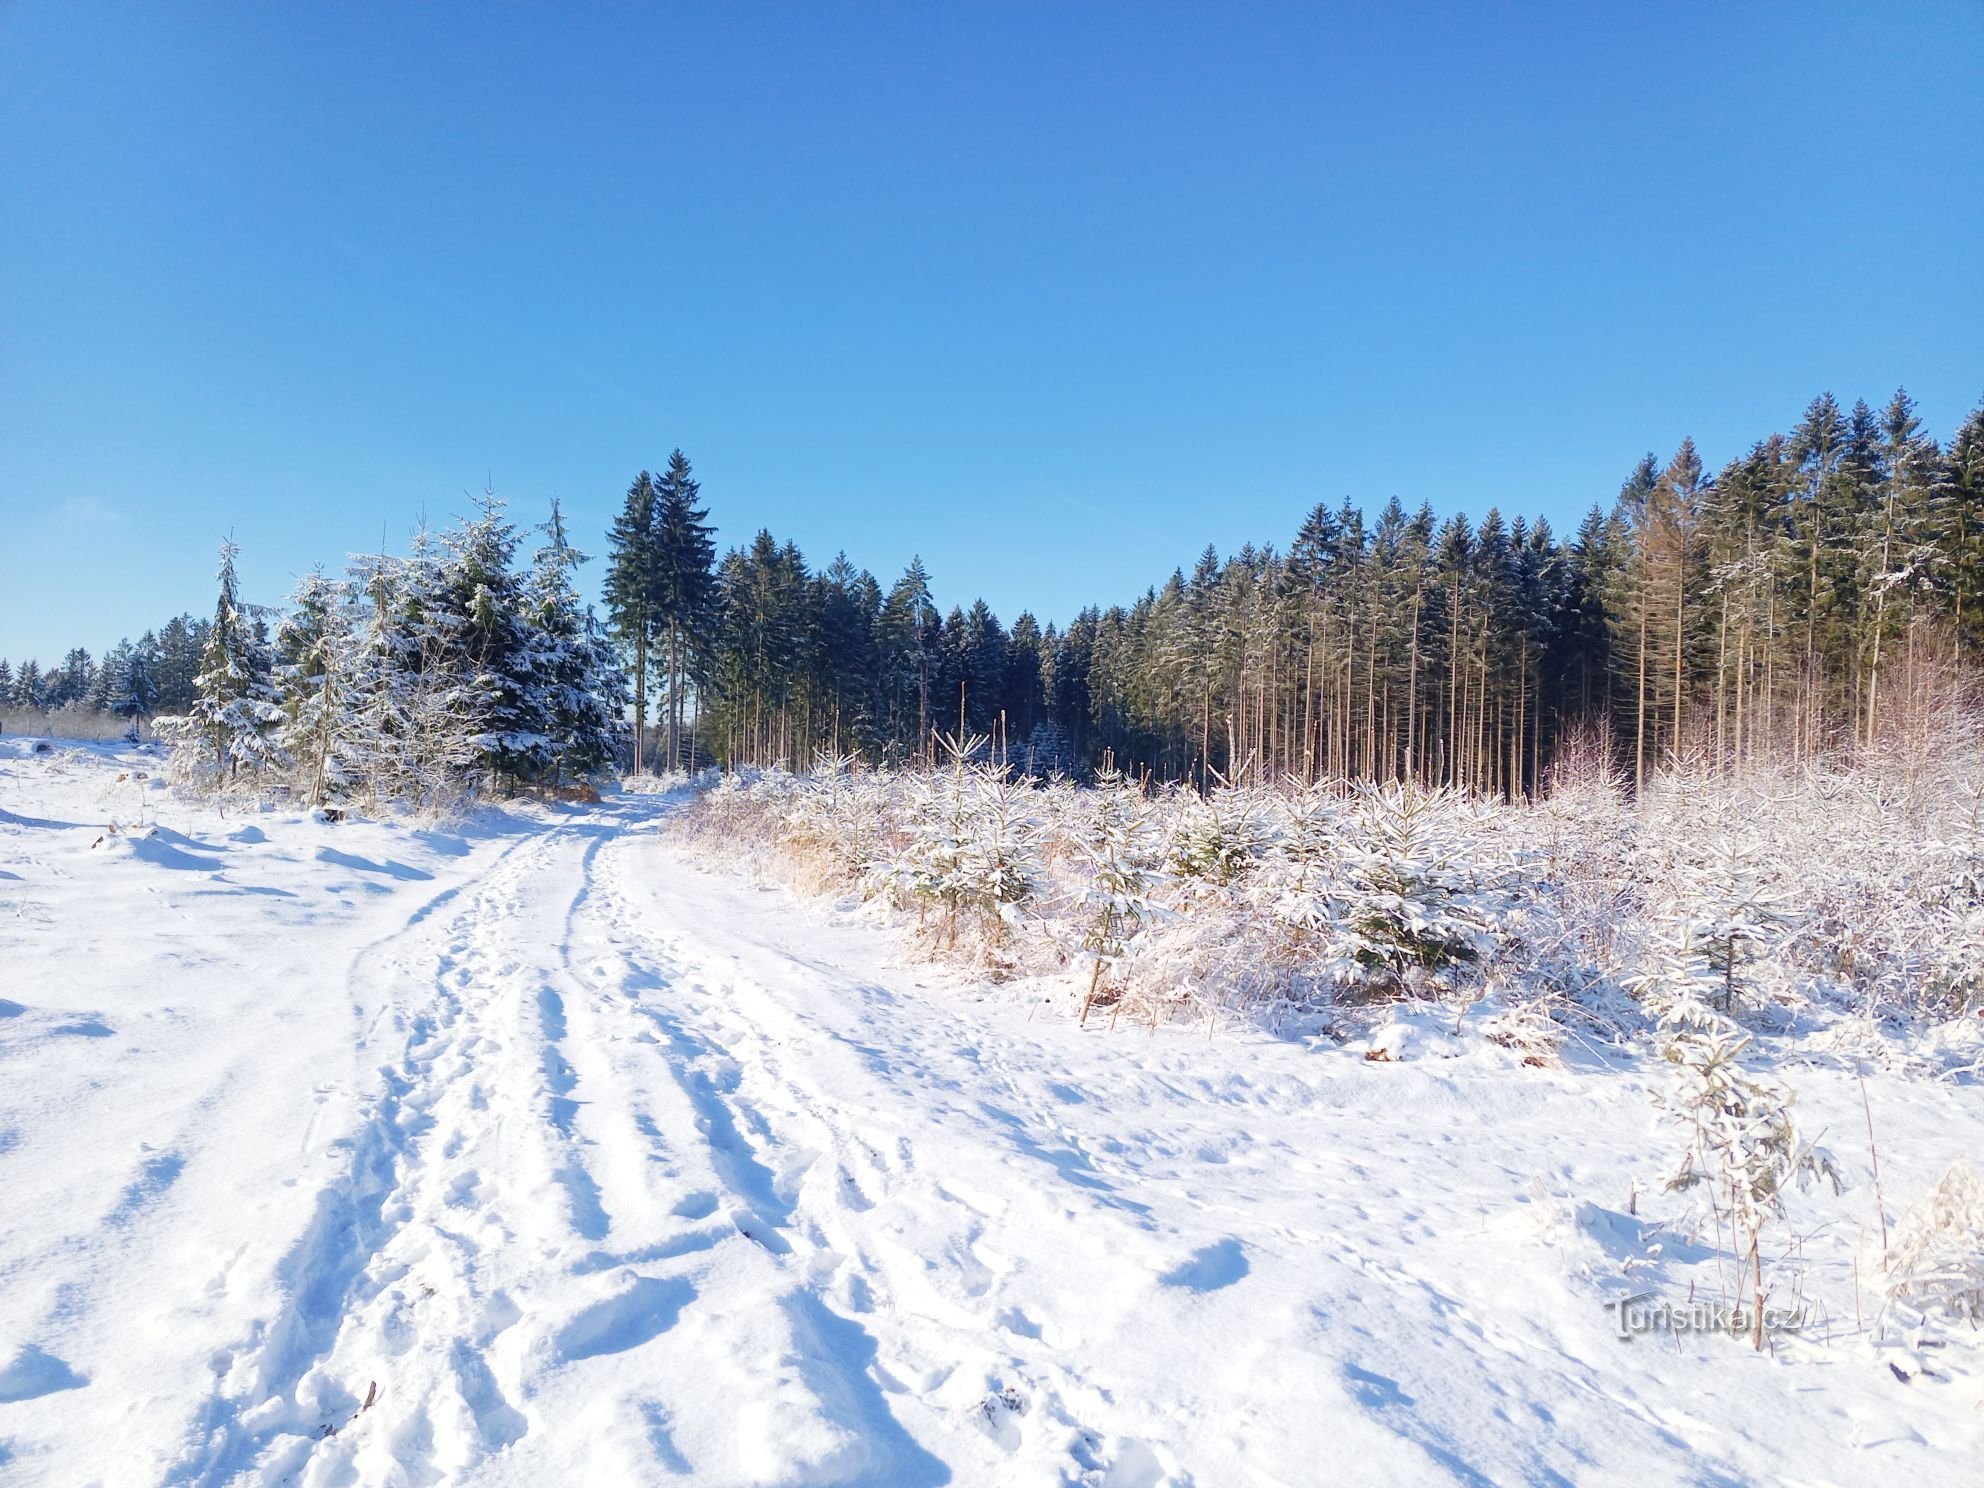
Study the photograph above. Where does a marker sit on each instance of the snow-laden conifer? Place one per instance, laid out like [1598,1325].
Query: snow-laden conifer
[231,726]
[1119,850]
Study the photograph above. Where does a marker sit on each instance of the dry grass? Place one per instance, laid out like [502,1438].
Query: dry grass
[82,725]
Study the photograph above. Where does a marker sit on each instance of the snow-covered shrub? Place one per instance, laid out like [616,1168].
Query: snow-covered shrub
[834,818]
[1717,902]
[661,782]
[1950,983]
[74,721]
[1743,1149]
[967,847]
[1784,898]
[1936,1268]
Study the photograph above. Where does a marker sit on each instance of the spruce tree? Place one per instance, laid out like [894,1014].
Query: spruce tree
[906,636]
[485,600]
[134,696]
[631,589]
[580,687]
[1963,532]
[234,711]
[29,689]
[685,588]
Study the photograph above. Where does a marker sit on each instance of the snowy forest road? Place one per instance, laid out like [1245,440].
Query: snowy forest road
[536,1154]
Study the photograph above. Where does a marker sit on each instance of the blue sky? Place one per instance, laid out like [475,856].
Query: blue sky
[1054,295]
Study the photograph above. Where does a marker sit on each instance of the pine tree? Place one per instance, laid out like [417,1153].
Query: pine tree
[234,713]
[312,646]
[685,588]
[1963,533]
[29,689]
[108,676]
[631,590]
[180,645]
[906,636]
[133,695]
[73,683]
[482,594]
[580,687]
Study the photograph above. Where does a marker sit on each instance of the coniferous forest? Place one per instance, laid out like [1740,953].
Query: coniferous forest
[1770,607]
[1779,607]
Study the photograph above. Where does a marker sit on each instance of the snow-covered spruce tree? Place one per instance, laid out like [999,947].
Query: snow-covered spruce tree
[1217,840]
[1742,1146]
[1119,851]
[1950,914]
[921,865]
[967,848]
[415,714]
[313,652]
[133,690]
[1420,895]
[581,692]
[233,721]
[486,600]
[1721,897]
[835,816]
[1302,877]
[1001,860]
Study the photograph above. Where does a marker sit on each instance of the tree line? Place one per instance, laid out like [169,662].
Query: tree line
[133,679]
[1766,609]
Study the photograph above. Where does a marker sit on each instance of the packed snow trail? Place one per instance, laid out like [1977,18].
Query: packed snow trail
[581,1165]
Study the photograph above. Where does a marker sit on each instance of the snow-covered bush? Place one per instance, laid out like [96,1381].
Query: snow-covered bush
[74,721]
[1779,899]
[1742,1148]
[833,819]
[1936,1268]
[967,847]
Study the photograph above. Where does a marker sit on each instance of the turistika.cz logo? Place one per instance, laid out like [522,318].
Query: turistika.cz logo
[1646,1313]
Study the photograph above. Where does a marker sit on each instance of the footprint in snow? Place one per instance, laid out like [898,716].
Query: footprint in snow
[34,1372]
[1210,1267]
[646,1308]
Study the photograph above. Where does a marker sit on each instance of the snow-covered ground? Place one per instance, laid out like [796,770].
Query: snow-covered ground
[584,1166]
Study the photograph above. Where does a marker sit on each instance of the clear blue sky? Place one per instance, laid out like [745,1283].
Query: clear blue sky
[1054,294]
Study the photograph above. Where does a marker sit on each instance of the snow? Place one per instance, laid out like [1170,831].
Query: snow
[585,1165]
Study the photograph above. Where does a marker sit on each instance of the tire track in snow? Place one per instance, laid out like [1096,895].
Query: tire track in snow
[816,1410]
[798,1125]
[405,1172]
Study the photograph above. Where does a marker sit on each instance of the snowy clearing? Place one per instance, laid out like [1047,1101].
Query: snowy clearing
[531,1153]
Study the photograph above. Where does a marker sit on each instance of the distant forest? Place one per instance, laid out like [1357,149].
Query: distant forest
[1766,610]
